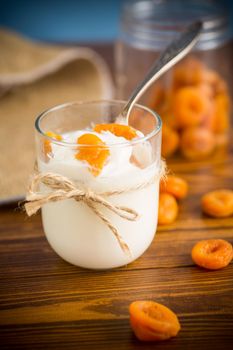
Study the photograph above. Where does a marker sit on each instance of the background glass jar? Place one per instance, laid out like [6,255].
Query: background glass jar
[73,228]
[193,98]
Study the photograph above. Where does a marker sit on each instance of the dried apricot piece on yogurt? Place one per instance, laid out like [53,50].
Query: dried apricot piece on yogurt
[152,321]
[212,254]
[47,143]
[92,150]
[218,203]
[168,209]
[125,131]
[174,185]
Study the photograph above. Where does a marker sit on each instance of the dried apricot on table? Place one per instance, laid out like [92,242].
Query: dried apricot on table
[94,151]
[152,321]
[47,143]
[125,131]
[218,203]
[168,209]
[170,141]
[190,106]
[197,142]
[212,254]
[174,185]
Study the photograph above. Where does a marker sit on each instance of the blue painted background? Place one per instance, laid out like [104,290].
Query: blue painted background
[65,20]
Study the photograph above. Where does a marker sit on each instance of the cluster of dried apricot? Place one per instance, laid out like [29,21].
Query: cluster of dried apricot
[214,254]
[90,147]
[195,110]
[172,188]
[151,321]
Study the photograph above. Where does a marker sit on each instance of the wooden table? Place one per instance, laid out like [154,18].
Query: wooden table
[45,303]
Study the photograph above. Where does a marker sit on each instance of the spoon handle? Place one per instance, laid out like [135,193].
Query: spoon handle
[171,55]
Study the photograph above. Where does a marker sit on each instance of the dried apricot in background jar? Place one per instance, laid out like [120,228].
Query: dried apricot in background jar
[218,203]
[152,321]
[195,111]
[168,209]
[196,91]
[197,143]
[212,254]
[190,107]
[170,141]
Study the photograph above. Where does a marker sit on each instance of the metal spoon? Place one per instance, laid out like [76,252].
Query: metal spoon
[171,55]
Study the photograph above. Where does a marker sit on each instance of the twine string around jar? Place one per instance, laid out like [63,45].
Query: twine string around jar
[62,188]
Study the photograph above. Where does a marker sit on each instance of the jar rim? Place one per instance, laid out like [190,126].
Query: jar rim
[138,140]
[153,24]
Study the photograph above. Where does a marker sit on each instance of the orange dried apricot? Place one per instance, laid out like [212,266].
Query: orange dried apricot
[47,143]
[125,131]
[174,185]
[152,321]
[168,209]
[170,141]
[218,203]
[93,151]
[197,142]
[190,106]
[212,254]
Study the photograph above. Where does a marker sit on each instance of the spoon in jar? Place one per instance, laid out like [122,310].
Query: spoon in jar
[170,56]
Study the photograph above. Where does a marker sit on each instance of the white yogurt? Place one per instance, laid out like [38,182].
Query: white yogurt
[75,232]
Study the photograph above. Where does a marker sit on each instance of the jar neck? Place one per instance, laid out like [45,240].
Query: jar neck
[153,24]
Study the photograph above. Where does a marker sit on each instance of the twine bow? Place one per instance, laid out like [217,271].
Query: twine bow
[62,188]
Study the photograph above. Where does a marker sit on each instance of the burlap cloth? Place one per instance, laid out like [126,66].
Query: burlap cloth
[34,77]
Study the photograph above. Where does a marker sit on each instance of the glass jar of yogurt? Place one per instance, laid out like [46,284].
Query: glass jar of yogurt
[194,98]
[117,168]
